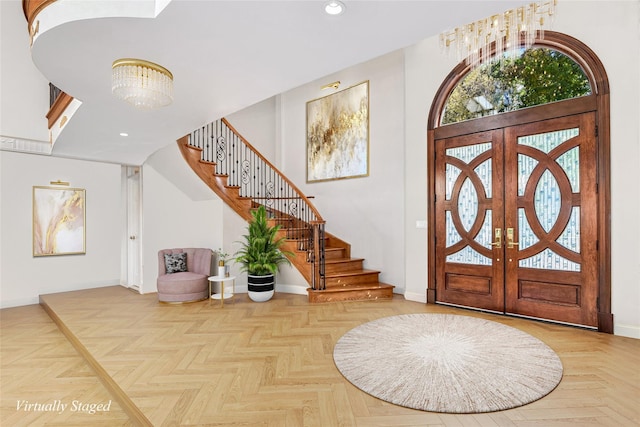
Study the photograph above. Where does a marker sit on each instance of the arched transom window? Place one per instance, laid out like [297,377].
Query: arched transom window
[535,76]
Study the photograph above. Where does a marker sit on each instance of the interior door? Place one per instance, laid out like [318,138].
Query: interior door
[134,256]
[516,224]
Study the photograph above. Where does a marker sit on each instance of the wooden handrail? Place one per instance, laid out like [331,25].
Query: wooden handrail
[59,105]
[244,179]
[32,8]
[291,184]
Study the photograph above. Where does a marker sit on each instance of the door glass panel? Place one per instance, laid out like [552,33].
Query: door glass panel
[451,175]
[453,236]
[526,165]
[549,260]
[469,152]
[547,200]
[467,204]
[570,164]
[484,235]
[570,237]
[546,142]
[527,237]
[484,173]
[468,255]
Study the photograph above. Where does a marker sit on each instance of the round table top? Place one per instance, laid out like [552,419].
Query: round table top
[220,278]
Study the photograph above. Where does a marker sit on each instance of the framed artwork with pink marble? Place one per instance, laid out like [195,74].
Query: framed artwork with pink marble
[58,221]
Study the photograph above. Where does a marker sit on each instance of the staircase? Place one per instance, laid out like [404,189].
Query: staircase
[244,179]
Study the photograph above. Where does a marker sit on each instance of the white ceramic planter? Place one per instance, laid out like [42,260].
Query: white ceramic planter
[261,288]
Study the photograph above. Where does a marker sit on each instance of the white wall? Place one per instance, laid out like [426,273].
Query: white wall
[617,24]
[170,219]
[25,92]
[23,276]
[365,211]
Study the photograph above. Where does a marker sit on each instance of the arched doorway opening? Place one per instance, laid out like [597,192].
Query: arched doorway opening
[519,203]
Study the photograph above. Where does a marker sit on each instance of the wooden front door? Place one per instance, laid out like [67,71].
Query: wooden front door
[516,220]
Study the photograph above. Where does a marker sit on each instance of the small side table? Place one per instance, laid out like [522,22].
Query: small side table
[221,296]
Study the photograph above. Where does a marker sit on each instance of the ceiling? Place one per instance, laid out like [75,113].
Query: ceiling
[225,56]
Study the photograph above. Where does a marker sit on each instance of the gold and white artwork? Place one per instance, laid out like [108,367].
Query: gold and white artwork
[338,135]
[58,221]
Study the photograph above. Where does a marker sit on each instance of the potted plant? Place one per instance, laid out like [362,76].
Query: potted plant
[261,256]
[223,270]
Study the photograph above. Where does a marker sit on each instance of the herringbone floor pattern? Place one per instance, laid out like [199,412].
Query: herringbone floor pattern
[271,364]
[39,365]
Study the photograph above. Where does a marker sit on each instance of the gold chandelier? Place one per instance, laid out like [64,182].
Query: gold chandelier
[143,84]
[510,31]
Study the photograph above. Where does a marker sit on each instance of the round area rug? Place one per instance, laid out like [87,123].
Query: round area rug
[447,363]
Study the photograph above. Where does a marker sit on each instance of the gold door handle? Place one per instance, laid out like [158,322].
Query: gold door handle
[498,236]
[510,243]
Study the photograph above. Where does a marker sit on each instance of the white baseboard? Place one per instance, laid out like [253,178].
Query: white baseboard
[629,331]
[291,289]
[414,296]
[18,302]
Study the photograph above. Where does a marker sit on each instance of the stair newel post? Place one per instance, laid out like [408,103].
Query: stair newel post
[317,256]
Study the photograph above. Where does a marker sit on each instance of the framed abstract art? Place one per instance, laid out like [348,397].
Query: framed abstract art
[58,221]
[338,135]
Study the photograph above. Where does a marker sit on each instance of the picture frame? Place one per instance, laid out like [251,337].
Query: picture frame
[337,129]
[59,217]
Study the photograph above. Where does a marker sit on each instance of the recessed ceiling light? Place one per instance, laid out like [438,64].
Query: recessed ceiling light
[334,7]
[124,134]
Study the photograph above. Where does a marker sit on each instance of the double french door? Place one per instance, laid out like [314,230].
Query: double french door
[516,220]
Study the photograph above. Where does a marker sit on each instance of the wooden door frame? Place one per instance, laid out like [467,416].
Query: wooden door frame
[598,102]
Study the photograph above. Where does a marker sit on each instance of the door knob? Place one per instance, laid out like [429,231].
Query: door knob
[510,243]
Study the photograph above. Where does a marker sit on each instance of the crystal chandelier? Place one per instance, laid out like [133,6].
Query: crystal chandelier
[510,31]
[143,84]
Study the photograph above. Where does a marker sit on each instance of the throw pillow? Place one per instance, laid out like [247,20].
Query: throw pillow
[175,263]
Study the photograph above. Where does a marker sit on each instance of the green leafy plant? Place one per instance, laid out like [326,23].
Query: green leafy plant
[261,252]
[222,255]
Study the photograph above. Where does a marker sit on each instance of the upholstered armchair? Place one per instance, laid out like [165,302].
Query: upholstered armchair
[183,274]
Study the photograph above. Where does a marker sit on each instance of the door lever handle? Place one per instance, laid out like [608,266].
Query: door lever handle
[510,243]
[498,237]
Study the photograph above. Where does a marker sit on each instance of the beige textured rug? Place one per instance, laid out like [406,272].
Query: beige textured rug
[447,363]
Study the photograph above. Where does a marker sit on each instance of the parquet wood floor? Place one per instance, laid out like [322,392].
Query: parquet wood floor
[271,364]
[38,365]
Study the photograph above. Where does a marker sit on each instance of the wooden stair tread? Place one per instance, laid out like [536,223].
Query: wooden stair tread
[339,260]
[353,273]
[355,287]
[352,292]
